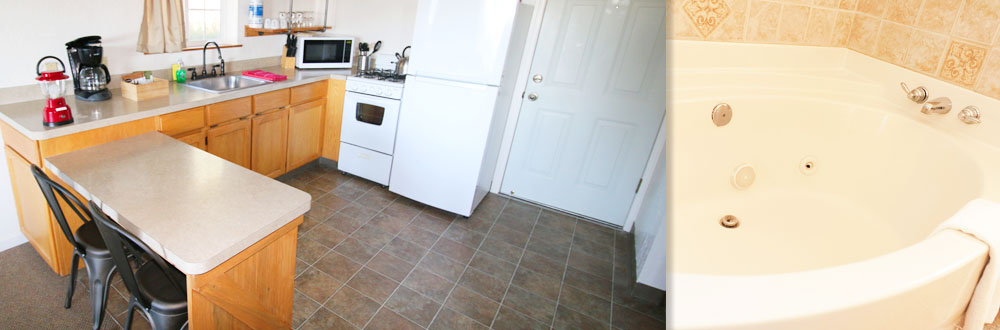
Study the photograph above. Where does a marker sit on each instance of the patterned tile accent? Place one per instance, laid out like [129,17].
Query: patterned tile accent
[962,63]
[706,14]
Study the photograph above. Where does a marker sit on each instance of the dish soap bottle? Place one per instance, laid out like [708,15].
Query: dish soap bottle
[181,75]
[176,67]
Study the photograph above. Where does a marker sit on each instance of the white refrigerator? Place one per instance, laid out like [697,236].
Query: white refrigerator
[457,91]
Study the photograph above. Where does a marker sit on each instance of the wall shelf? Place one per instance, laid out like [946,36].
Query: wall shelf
[255,32]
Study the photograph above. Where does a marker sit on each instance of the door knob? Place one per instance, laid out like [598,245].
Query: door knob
[532,96]
[536,78]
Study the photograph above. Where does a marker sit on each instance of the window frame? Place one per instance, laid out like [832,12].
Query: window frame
[228,36]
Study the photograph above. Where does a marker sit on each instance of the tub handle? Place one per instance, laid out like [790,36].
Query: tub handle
[917,95]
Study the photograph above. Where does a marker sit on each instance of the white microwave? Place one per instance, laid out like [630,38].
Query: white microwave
[324,53]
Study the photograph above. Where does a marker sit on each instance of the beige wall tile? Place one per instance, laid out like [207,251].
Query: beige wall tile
[872,7]
[706,14]
[762,24]
[681,26]
[842,29]
[989,79]
[926,49]
[902,11]
[827,3]
[732,27]
[978,20]
[962,63]
[792,26]
[893,42]
[820,29]
[849,4]
[863,34]
[938,15]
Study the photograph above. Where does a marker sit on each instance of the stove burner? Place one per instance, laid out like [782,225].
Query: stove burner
[382,74]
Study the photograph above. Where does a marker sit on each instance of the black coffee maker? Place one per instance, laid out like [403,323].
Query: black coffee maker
[90,77]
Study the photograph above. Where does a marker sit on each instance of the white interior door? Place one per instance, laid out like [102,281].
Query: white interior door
[583,143]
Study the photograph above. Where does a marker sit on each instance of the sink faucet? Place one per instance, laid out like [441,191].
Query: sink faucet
[222,64]
[939,105]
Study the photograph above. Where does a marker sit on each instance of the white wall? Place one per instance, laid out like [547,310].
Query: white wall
[36,28]
[650,235]
[371,20]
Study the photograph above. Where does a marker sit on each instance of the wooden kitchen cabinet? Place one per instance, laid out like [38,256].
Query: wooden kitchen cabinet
[231,141]
[32,211]
[334,117]
[181,122]
[195,139]
[270,142]
[305,133]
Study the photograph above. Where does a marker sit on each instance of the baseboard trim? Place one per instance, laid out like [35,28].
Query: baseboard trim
[12,241]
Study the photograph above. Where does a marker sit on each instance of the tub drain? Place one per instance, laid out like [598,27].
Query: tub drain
[729,221]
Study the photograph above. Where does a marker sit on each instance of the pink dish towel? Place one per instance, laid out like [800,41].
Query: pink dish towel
[261,74]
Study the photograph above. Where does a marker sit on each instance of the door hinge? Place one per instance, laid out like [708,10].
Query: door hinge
[638,185]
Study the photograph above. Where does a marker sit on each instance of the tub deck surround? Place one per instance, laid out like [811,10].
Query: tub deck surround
[26,116]
[193,208]
[848,245]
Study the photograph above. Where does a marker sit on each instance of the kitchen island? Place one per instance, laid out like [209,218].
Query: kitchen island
[230,230]
[271,129]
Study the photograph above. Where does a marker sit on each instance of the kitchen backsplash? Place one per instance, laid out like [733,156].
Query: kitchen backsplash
[954,40]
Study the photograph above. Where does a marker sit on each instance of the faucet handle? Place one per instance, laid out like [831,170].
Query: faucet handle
[970,115]
[214,73]
[917,95]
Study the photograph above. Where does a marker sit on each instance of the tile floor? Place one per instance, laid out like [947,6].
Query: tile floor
[370,259]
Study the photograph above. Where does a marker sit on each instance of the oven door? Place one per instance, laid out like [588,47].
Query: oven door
[370,122]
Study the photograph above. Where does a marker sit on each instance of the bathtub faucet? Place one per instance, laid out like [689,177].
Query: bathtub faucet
[939,105]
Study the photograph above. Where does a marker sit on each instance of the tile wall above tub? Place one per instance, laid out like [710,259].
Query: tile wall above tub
[954,40]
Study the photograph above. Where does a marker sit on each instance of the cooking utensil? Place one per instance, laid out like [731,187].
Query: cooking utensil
[378,45]
[363,47]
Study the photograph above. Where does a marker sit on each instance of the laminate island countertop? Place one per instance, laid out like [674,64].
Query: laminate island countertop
[194,209]
[26,117]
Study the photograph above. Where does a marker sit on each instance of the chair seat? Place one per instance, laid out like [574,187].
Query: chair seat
[90,238]
[163,296]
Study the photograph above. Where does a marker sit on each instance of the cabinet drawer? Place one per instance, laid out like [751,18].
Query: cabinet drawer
[270,100]
[181,121]
[308,92]
[229,110]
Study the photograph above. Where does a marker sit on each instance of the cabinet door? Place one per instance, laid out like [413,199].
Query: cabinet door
[231,141]
[32,210]
[196,139]
[305,133]
[270,142]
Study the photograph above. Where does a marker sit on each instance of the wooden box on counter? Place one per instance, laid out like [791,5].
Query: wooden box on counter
[155,89]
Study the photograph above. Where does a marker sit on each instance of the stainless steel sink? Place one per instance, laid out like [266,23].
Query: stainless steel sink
[226,83]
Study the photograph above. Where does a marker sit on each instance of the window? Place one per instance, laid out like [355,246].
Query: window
[210,20]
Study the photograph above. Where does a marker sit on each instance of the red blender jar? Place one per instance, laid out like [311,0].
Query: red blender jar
[53,84]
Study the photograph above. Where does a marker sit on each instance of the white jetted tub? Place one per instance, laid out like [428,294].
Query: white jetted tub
[840,183]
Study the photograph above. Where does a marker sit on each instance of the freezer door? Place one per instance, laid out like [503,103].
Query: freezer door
[461,40]
[443,128]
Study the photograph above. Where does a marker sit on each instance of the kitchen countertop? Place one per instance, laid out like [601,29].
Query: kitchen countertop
[194,209]
[26,117]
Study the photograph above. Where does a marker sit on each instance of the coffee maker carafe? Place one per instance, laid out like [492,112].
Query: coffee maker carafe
[90,77]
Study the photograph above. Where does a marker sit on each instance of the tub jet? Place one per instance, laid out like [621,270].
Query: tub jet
[743,176]
[729,221]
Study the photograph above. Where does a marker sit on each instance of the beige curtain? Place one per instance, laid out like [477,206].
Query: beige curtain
[162,29]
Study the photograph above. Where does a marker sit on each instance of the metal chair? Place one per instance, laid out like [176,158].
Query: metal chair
[86,241]
[158,289]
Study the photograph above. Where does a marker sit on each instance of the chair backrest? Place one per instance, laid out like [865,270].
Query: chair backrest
[118,239]
[51,189]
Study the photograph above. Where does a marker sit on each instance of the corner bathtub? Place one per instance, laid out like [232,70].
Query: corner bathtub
[844,243]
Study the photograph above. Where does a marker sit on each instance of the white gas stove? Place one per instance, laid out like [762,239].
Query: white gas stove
[368,131]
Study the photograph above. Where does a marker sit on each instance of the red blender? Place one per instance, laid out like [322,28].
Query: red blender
[53,84]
